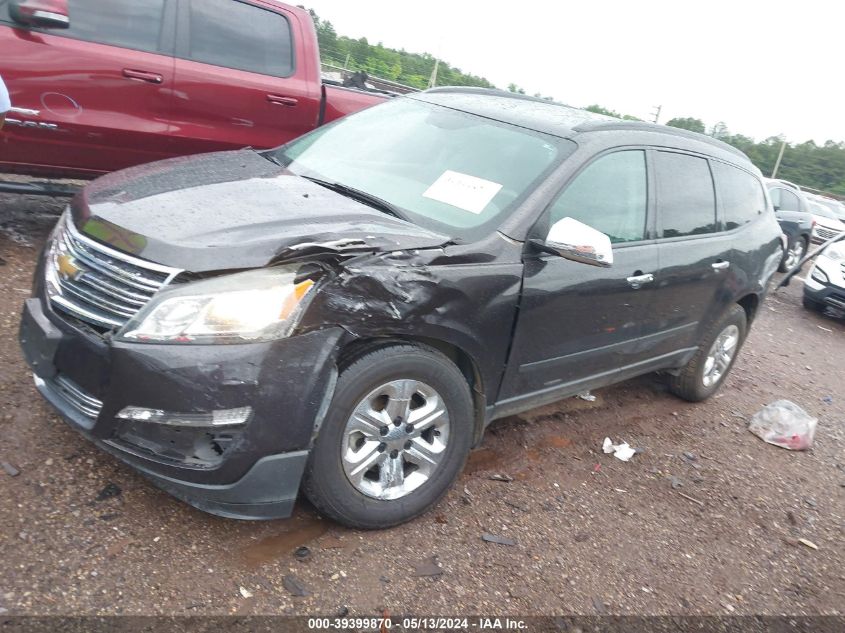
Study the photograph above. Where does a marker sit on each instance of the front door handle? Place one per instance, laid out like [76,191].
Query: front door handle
[142,75]
[717,266]
[638,281]
[283,101]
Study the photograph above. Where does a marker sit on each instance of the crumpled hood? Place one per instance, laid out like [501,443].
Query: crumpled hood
[230,210]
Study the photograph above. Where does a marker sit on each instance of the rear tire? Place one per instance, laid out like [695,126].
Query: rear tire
[395,437]
[794,252]
[702,376]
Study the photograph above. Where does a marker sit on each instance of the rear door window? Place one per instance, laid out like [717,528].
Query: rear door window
[686,200]
[786,201]
[610,195]
[135,24]
[243,36]
[741,195]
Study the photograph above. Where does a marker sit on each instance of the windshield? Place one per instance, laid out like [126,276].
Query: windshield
[819,209]
[444,169]
[834,207]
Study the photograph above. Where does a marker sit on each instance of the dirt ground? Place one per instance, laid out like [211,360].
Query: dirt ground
[705,520]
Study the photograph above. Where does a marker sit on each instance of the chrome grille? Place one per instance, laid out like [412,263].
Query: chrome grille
[825,233]
[96,284]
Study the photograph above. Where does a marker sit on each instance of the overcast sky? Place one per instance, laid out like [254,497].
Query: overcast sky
[764,68]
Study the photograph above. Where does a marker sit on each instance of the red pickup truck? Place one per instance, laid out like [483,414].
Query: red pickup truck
[97,86]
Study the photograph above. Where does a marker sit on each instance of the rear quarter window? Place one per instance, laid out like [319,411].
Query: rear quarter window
[741,195]
[686,200]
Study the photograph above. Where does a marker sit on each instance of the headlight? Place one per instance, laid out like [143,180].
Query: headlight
[256,305]
[819,275]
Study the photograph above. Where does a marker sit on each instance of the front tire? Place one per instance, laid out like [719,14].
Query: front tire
[395,437]
[702,376]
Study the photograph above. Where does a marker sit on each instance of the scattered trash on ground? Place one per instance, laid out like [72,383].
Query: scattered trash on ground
[428,568]
[785,424]
[620,451]
[690,456]
[499,540]
[10,470]
[675,482]
[302,553]
[828,399]
[294,587]
[108,492]
[586,395]
[501,477]
[688,498]
[246,593]
[809,544]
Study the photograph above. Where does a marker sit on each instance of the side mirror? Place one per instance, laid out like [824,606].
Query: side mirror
[574,240]
[44,14]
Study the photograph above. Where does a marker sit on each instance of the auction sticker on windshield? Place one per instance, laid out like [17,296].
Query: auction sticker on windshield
[463,191]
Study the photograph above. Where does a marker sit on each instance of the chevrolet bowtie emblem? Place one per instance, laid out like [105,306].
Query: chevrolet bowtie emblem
[68,268]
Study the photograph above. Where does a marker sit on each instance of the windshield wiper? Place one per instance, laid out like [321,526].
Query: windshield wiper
[362,196]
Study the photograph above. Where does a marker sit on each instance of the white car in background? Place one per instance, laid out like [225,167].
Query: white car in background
[828,224]
[825,284]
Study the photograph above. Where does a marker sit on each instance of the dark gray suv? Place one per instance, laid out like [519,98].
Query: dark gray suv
[346,314]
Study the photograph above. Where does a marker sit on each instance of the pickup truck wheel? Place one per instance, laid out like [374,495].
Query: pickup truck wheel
[396,436]
[794,252]
[702,376]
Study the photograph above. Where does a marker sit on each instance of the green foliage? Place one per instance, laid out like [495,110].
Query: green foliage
[687,123]
[411,69]
[602,110]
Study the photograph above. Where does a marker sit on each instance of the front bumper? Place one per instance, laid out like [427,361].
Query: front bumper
[252,471]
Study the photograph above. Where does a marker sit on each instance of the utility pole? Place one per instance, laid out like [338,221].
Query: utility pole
[432,82]
[780,156]
[656,113]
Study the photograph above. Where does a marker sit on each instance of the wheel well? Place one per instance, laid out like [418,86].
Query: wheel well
[750,304]
[463,361]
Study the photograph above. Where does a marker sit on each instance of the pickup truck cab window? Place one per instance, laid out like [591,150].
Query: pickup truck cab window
[135,24]
[240,35]
[610,195]
[741,195]
[425,159]
[685,196]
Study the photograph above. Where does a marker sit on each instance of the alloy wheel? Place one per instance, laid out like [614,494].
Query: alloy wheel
[721,354]
[395,439]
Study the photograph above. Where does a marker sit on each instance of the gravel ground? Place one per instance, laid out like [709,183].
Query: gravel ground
[82,534]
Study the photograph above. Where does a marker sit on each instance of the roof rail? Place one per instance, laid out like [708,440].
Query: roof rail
[602,126]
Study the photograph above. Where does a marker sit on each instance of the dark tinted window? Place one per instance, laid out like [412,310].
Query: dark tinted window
[741,195]
[609,195]
[685,197]
[788,201]
[125,23]
[238,35]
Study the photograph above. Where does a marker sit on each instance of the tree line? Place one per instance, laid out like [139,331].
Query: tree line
[411,69]
[807,164]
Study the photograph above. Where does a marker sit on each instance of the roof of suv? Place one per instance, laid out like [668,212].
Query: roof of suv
[562,120]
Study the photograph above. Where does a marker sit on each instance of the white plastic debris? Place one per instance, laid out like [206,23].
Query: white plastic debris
[246,593]
[785,424]
[586,395]
[620,451]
